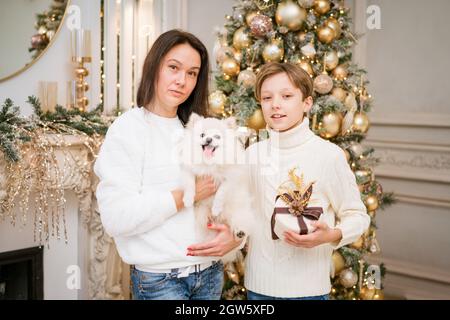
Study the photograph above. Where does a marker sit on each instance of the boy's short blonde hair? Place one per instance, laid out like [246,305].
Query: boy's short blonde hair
[299,77]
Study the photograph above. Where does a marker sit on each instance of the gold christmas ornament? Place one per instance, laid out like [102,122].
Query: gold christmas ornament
[361,122]
[371,294]
[217,101]
[340,72]
[347,155]
[334,24]
[273,51]
[322,6]
[241,39]
[348,278]
[339,94]
[305,65]
[301,35]
[290,15]
[247,78]
[330,125]
[256,121]
[230,67]
[326,34]
[249,17]
[323,84]
[306,3]
[371,203]
[338,263]
[358,244]
[331,60]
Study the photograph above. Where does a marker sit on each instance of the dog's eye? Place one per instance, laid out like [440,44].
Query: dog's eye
[202,135]
[217,136]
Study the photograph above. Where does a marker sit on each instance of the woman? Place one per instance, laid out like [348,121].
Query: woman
[139,197]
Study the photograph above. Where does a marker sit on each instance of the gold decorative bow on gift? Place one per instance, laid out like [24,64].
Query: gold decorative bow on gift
[296,199]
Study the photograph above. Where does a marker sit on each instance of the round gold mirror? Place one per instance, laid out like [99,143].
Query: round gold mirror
[27,29]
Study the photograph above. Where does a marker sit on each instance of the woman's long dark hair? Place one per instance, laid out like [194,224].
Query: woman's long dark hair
[198,100]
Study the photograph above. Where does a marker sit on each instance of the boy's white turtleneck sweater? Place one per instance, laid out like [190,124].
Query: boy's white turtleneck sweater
[138,168]
[273,267]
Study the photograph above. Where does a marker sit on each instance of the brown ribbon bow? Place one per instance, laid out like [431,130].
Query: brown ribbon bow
[300,212]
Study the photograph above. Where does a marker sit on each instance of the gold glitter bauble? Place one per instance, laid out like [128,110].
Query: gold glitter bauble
[340,72]
[361,122]
[323,84]
[230,67]
[326,34]
[335,25]
[273,51]
[348,278]
[331,60]
[338,262]
[290,15]
[217,101]
[330,125]
[241,38]
[247,78]
[256,121]
[322,6]
[371,203]
[339,94]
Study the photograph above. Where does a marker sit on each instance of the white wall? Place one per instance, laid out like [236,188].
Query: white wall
[408,66]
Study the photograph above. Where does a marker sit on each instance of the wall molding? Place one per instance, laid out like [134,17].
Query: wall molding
[412,281]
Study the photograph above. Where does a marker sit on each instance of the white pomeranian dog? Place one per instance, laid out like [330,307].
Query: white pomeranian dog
[210,147]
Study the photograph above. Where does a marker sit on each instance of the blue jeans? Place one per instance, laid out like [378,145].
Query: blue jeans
[256,296]
[203,285]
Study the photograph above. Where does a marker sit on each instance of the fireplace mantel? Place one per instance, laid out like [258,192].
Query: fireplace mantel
[105,268]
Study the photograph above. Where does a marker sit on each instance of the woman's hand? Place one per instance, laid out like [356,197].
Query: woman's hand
[223,243]
[323,234]
[204,188]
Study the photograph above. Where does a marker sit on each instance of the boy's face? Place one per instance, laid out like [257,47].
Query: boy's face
[282,103]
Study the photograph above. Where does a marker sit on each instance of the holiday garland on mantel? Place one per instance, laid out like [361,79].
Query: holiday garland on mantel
[28,162]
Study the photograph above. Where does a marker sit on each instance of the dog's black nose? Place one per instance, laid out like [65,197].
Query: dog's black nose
[208,140]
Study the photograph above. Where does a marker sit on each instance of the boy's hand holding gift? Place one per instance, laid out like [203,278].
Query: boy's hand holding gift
[295,221]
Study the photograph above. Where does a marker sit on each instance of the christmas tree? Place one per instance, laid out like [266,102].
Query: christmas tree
[315,35]
[46,25]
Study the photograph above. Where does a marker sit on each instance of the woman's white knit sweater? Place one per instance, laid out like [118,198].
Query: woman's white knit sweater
[274,267]
[138,168]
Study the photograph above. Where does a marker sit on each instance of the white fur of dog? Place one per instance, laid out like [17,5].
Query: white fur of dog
[210,148]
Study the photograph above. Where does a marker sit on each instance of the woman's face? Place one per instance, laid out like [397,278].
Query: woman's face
[177,78]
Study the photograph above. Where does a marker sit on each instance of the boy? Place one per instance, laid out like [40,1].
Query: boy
[297,266]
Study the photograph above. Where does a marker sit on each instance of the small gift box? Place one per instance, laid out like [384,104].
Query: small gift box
[291,210]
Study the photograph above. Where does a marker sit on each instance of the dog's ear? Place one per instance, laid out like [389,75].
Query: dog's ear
[231,122]
[193,119]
